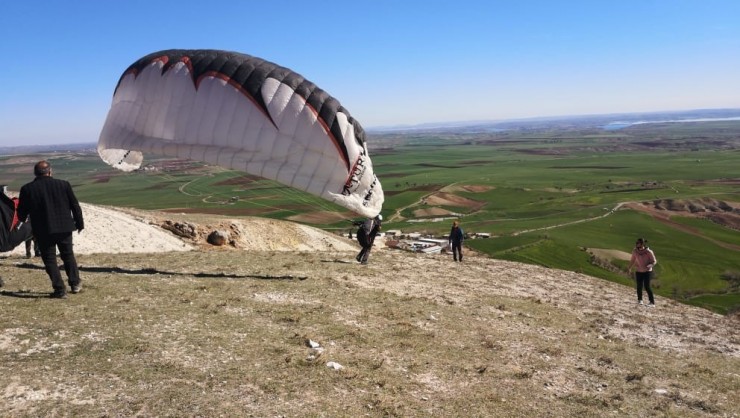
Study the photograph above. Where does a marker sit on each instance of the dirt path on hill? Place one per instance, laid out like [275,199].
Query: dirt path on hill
[618,205]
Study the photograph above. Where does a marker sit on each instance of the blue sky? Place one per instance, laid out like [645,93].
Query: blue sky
[389,62]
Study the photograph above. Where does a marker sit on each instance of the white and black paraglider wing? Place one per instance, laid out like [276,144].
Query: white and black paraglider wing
[243,113]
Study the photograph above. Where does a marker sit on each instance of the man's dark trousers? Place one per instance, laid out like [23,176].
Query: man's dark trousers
[48,245]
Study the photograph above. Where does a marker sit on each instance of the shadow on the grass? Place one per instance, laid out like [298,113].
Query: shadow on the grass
[25,294]
[150,271]
[336,260]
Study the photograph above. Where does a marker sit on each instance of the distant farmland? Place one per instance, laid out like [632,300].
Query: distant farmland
[561,198]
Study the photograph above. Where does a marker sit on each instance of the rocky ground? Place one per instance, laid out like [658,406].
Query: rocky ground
[113,230]
[533,338]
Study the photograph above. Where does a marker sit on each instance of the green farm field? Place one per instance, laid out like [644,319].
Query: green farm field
[572,199]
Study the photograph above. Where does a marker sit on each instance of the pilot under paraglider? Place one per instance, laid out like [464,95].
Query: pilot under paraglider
[13,231]
[366,233]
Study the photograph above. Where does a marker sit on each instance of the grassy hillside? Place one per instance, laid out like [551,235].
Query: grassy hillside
[549,196]
[546,196]
[230,333]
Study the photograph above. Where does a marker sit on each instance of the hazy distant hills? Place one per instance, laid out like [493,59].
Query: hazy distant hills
[52,148]
[556,122]
[564,122]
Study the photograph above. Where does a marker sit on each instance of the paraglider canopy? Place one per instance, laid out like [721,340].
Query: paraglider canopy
[243,113]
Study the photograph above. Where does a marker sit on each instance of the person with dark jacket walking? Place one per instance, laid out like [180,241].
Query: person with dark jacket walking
[366,236]
[12,231]
[55,213]
[456,239]
[17,227]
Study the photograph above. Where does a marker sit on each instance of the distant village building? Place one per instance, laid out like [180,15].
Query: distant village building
[436,241]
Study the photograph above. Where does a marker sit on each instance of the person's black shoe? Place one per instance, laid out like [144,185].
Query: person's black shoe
[58,295]
[77,288]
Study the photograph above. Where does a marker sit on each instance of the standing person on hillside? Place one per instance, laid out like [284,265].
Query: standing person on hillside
[32,248]
[456,238]
[362,233]
[366,236]
[377,224]
[30,243]
[55,213]
[14,231]
[643,260]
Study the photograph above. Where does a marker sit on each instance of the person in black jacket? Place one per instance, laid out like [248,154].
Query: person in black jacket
[12,232]
[366,236]
[55,213]
[456,238]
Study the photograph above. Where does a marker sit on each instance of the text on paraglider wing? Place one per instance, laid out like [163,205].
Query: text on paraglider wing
[366,200]
[358,170]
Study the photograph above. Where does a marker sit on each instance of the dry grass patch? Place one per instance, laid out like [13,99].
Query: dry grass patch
[214,333]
